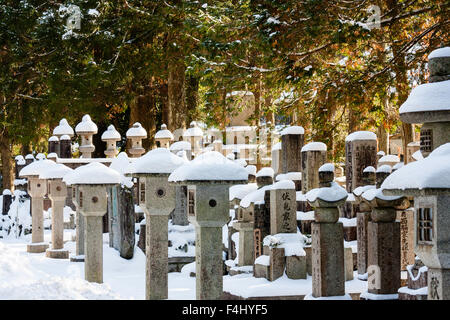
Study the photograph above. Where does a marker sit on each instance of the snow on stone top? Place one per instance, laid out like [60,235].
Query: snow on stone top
[277,146]
[52,155]
[389,158]
[361,135]
[293,130]
[414,144]
[314,146]
[231,156]
[369,169]
[86,125]
[40,156]
[58,171]
[327,167]
[439,53]
[281,176]
[433,96]
[159,160]
[430,172]
[241,162]
[371,194]
[265,172]
[180,145]
[64,137]
[7,192]
[239,191]
[19,157]
[384,168]
[182,154]
[63,128]
[29,156]
[164,133]
[283,184]
[398,166]
[251,169]
[292,243]
[111,134]
[53,139]
[210,165]
[92,173]
[292,176]
[136,131]
[120,164]
[193,132]
[330,194]
[35,168]
[381,153]
[256,197]
[360,190]
[417,155]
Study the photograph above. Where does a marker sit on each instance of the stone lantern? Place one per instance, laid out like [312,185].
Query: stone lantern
[157,200]
[194,135]
[111,137]
[57,192]
[136,133]
[86,129]
[327,235]
[164,137]
[37,189]
[428,181]
[383,241]
[208,178]
[91,182]
[179,146]
[63,129]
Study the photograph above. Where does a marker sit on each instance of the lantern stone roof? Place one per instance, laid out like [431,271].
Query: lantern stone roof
[156,161]
[327,167]
[58,171]
[111,134]
[86,125]
[361,135]
[210,166]
[334,193]
[265,172]
[93,173]
[136,131]
[430,175]
[164,133]
[63,128]
[180,145]
[35,168]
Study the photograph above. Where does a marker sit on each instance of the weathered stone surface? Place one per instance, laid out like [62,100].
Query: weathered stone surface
[350,233]
[311,162]
[308,251]
[277,263]
[384,257]
[328,274]
[296,267]
[291,157]
[359,154]
[93,248]
[232,254]
[348,264]
[261,271]
[142,233]
[37,188]
[180,216]
[361,229]
[126,223]
[438,284]
[283,215]
[407,255]
[246,243]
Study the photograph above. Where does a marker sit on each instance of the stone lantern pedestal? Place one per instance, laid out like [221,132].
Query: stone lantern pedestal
[57,194]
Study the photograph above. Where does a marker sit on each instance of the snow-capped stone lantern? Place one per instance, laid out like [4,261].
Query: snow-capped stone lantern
[194,135]
[37,189]
[292,139]
[53,145]
[91,182]
[136,133]
[86,129]
[57,192]
[383,231]
[428,181]
[65,147]
[360,153]
[208,178]
[111,136]
[63,129]
[327,235]
[178,146]
[164,136]
[157,200]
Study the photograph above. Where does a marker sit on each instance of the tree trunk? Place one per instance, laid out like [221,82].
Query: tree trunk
[7,161]
[192,84]
[257,116]
[176,94]
[383,139]
[143,110]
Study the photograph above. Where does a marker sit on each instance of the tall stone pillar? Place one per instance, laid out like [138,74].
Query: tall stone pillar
[65,147]
[53,145]
[292,139]
[180,216]
[314,155]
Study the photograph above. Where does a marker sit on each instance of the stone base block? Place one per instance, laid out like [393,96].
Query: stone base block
[240,270]
[79,258]
[261,271]
[277,263]
[57,254]
[37,247]
[296,267]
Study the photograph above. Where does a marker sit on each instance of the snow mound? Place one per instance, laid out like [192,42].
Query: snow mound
[314,146]
[36,167]
[361,135]
[58,171]
[433,96]
[92,173]
[239,191]
[327,167]
[330,194]
[293,130]
[283,185]
[440,53]
[256,197]
[159,160]
[265,172]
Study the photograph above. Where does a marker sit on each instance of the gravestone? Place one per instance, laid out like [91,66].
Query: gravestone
[314,155]
[292,139]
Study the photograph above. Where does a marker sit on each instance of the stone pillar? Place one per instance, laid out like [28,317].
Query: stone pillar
[291,157]
[79,227]
[276,158]
[37,188]
[7,200]
[93,204]
[53,145]
[360,152]
[362,219]
[246,243]
[126,222]
[283,214]
[314,155]
[180,216]
[57,193]
[65,147]
[407,255]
